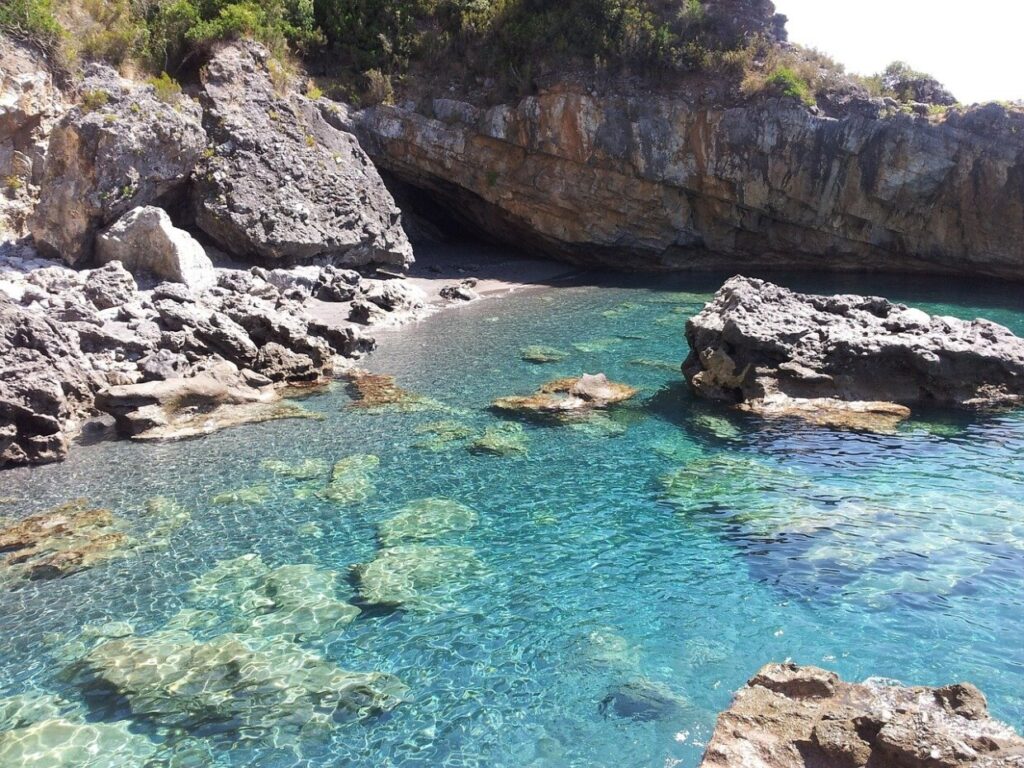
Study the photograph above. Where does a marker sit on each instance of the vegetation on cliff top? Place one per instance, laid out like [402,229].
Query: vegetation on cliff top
[368,46]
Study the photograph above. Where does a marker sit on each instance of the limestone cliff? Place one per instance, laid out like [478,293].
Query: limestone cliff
[646,181]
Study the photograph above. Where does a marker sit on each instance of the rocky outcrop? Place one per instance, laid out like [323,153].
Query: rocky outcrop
[284,186]
[45,386]
[144,240]
[777,352]
[803,717]
[164,361]
[669,181]
[568,396]
[29,105]
[120,148]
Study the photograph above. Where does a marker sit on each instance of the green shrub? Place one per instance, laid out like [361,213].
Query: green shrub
[94,100]
[31,20]
[377,89]
[166,88]
[786,82]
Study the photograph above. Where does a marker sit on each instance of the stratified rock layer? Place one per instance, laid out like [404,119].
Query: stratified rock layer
[803,717]
[284,185]
[645,181]
[772,349]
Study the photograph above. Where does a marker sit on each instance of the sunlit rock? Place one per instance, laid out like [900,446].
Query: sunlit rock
[167,516]
[62,541]
[416,575]
[352,479]
[246,684]
[253,494]
[60,743]
[426,519]
[568,395]
[502,440]
[718,426]
[541,354]
[377,392]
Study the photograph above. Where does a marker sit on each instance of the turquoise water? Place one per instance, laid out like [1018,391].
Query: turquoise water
[672,545]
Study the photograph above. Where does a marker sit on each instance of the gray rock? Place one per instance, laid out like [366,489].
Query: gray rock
[146,241]
[461,292]
[284,186]
[162,364]
[120,149]
[770,348]
[803,717]
[393,295]
[45,386]
[110,286]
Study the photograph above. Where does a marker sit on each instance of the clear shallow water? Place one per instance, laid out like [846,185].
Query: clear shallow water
[674,544]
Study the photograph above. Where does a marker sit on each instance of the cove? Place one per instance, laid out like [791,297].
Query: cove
[661,552]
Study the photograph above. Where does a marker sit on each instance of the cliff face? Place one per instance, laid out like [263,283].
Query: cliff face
[661,182]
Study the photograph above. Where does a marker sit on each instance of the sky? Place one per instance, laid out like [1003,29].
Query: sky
[974,48]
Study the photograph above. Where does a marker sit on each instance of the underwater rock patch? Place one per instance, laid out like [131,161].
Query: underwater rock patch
[239,683]
[642,700]
[67,539]
[426,519]
[307,469]
[502,440]
[59,742]
[540,354]
[442,435]
[352,479]
[253,494]
[379,392]
[412,575]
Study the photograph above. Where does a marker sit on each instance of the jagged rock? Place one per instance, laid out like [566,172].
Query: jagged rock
[163,364]
[184,407]
[45,386]
[460,292]
[110,286]
[681,180]
[144,240]
[119,149]
[778,352]
[285,186]
[803,717]
[393,295]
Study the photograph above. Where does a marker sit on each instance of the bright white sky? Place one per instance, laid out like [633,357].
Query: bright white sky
[975,48]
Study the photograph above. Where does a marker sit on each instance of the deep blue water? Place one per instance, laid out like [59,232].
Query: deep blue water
[672,544]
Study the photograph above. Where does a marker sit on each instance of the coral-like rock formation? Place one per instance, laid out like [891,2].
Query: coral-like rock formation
[782,353]
[284,185]
[803,717]
[664,181]
[120,148]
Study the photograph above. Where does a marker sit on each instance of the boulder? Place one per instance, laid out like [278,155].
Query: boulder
[110,286]
[776,352]
[571,395]
[122,147]
[45,386]
[284,186]
[789,716]
[145,241]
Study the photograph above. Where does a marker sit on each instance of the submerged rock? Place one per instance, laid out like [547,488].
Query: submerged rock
[380,392]
[426,519]
[352,480]
[541,354]
[442,435]
[569,395]
[415,575]
[502,440]
[240,683]
[803,717]
[642,700]
[59,742]
[60,542]
[253,494]
[845,360]
[308,469]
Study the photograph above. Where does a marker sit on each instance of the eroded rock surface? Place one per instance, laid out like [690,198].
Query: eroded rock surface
[120,148]
[569,395]
[803,717]
[639,180]
[782,353]
[284,185]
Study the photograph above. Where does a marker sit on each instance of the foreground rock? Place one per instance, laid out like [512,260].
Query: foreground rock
[845,360]
[284,185]
[803,717]
[120,148]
